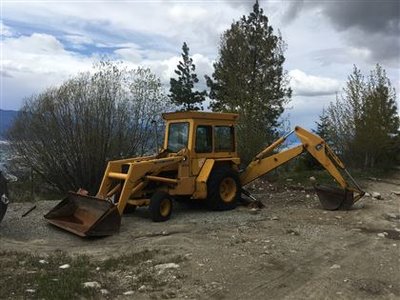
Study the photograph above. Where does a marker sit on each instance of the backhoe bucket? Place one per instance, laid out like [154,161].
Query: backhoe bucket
[333,198]
[85,216]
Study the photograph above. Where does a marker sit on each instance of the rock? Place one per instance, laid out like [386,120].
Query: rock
[312,178]
[162,267]
[367,195]
[254,211]
[358,205]
[382,234]
[397,193]
[308,196]
[338,217]
[275,218]
[376,195]
[392,216]
[66,266]
[289,179]
[104,292]
[142,288]
[30,290]
[128,293]
[92,284]
[98,269]
[293,232]
[335,266]
[42,261]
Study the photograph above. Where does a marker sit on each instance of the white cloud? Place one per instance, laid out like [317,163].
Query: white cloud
[197,23]
[40,54]
[33,63]
[78,40]
[309,85]
[5,31]
[130,52]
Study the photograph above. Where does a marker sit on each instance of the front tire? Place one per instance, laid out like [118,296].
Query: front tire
[160,206]
[223,189]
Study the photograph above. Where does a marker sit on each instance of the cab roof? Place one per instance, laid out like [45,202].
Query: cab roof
[200,115]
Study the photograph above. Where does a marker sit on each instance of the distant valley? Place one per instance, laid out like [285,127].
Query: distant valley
[6,119]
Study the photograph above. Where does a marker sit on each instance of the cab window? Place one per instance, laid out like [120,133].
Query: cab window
[224,139]
[203,139]
[178,136]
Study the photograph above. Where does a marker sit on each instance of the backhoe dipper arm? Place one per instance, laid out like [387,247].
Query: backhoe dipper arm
[316,146]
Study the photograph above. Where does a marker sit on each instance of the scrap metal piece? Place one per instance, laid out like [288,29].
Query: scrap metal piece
[28,211]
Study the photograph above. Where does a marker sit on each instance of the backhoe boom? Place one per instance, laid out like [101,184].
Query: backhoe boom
[316,146]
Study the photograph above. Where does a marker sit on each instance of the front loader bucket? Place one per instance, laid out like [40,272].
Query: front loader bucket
[85,216]
[333,198]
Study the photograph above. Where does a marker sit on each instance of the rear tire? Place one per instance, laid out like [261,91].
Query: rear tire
[223,189]
[160,206]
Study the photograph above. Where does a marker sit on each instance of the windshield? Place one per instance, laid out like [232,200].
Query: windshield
[178,134]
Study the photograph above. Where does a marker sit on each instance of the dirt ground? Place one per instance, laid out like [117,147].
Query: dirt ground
[291,249]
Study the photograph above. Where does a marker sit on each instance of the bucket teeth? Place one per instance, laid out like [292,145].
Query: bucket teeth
[85,216]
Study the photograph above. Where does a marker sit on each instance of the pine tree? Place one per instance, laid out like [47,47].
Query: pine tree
[324,127]
[379,123]
[365,120]
[181,90]
[249,79]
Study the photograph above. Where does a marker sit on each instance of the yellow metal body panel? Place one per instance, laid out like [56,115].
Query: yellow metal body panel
[185,186]
[181,115]
[201,180]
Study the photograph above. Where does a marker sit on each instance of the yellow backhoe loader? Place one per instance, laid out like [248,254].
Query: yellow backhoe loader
[198,160]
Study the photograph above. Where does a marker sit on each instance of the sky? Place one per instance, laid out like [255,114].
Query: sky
[46,42]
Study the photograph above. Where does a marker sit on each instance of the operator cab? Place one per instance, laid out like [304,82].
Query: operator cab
[202,133]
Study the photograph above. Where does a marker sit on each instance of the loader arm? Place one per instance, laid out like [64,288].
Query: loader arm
[316,146]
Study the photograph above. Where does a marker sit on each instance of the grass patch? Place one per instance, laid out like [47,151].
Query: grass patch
[22,272]
[127,261]
[24,276]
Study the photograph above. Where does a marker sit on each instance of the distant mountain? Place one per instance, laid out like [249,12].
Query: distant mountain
[6,119]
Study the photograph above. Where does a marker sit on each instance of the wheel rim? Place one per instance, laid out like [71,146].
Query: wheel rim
[165,207]
[228,189]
